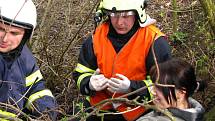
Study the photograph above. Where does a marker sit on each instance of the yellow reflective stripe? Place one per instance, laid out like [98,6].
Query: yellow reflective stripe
[36,96]
[9,114]
[3,119]
[83,69]
[88,98]
[6,115]
[33,78]
[100,6]
[80,78]
[149,83]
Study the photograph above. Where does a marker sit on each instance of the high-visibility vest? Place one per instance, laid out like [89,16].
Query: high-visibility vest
[129,61]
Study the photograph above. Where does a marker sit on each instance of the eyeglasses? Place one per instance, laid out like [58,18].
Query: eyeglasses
[121,14]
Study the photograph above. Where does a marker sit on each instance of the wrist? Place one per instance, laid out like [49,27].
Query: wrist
[90,86]
[91,92]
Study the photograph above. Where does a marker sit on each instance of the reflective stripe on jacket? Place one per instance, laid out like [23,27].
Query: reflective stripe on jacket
[130,61]
[23,85]
[5,116]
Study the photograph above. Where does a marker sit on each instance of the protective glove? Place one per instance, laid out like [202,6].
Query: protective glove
[116,105]
[98,81]
[120,84]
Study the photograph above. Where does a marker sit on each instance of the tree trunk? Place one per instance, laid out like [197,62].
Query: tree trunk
[175,16]
[209,10]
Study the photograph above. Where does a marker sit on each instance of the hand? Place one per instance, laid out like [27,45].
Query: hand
[120,84]
[98,81]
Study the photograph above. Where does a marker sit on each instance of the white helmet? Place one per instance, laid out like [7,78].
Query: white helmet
[126,5]
[20,13]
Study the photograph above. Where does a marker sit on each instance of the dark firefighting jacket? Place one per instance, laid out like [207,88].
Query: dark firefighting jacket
[22,86]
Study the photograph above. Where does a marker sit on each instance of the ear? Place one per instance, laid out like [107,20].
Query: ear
[180,94]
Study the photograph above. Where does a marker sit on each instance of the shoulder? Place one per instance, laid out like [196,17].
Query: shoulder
[162,46]
[87,44]
[27,60]
[162,41]
[26,56]
[88,41]
[26,53]
[153,116]
[154,29]
[195,106]
[104,25]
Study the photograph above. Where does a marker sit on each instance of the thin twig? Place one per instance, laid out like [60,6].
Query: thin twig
[67,48]
[47,66]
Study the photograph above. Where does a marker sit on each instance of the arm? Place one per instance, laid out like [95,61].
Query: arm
[163,53]
[39,99]
[87,64]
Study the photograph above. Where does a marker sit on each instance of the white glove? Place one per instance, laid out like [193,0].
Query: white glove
[98,81]
[116,105]
[120,84]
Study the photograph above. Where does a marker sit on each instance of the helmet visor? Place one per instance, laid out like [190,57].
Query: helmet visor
[120,14]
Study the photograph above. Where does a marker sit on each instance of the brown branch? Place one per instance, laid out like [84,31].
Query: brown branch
[155,59]
[130,102]
[15,109]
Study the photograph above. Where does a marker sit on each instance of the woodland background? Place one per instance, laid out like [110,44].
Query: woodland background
[64,24]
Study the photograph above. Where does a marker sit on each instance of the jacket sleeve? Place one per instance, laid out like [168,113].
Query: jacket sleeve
[39,99]
[163,53]
[87,64]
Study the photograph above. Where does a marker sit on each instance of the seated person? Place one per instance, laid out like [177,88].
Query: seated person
[173,90]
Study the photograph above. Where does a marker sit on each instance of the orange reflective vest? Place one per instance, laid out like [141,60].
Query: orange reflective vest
[130,62]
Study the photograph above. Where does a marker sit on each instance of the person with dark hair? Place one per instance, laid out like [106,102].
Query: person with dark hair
[176,83]
[117,57]
[22,86]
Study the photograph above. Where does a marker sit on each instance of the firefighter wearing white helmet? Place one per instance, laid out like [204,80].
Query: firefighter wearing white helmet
[20,77]
[19,13]
[116,59]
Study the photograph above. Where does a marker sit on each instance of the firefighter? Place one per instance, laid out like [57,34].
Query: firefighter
[116,59]
[21,81]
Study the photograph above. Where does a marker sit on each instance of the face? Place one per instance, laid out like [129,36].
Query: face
[10,37]
[159,99]
[122,22]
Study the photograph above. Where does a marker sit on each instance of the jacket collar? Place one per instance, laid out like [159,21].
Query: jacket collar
[195,113]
